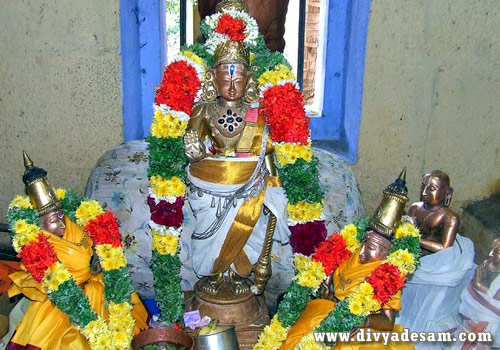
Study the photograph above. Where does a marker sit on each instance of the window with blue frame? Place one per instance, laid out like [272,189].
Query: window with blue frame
[335,105]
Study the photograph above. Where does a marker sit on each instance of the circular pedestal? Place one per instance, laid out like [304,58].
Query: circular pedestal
[249,316]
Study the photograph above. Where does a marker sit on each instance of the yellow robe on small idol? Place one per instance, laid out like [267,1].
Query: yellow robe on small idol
[347,277]
[46,327]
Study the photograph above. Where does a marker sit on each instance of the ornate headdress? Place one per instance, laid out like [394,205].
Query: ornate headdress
[231,52]
[232,5]
[39,189]
[387,217]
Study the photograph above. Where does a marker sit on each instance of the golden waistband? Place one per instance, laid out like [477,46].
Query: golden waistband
[223,172]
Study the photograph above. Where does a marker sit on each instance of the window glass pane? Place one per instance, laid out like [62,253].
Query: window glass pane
[314,44]
[175,23]
[292,34]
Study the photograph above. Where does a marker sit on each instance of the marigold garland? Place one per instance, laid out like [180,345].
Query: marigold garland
[39,258]
[377,289]
[173,106]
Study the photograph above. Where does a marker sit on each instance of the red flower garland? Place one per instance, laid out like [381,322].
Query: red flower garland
[284,107]
[307,236]
[179,86]
[386,281]
[104,230]
[232,27]
[332,252]
[165,213]
[37,256]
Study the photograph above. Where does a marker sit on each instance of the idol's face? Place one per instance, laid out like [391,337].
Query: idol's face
[53,222]
[231,80]
[494,255]
[433,191]
[374,248]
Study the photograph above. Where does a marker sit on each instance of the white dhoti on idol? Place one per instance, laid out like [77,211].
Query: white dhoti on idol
[227,197]
[431,297]
[481,313]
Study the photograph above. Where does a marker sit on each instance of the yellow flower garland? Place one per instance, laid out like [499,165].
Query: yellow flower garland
[279,73]
[55,275]
[23,234]
[309,343]
[193,57]
[272,336]
[404,260]
[87,211]
[310,273]
[406,229]
[350,234]
[166,125]
[288,153]
[112,258]
[21,202]
[165,244]
[174,187]
[303,211]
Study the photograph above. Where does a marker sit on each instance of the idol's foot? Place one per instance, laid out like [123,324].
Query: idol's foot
[212,284]
[239,285]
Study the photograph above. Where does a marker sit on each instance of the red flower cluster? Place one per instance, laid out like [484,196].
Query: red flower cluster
[232,27]
[178,87]
[386,281]
[38,256]
[332,253]
[307,236]
[104,230]
[165,213]
[284,107]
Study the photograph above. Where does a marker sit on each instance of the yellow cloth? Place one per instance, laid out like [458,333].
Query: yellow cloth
[45,326]
[347,277]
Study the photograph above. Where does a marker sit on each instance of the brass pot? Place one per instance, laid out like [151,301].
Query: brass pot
[225,339]
[156,335]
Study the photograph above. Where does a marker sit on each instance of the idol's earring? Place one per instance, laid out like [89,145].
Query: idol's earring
[252,88]
[209,89]
[449,195]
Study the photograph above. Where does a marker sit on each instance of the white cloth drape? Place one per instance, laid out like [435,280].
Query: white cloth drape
[431,297]
[205,251]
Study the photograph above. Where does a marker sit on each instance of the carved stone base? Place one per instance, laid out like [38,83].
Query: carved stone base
[249,316]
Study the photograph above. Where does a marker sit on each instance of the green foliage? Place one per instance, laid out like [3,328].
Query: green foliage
[201,51]
[118,285]
[69,298]
[166,157]
[264,59]
[71,202]
[167,284]
[411,243]
[295,300]
[361,227]
[300,181]
[17,213]
[340,320]
[205,29]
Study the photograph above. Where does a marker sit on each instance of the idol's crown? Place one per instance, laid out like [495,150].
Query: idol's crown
[238,5]
[231,52]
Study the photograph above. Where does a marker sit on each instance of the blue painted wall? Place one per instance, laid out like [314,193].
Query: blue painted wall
[338,129]
[143,50]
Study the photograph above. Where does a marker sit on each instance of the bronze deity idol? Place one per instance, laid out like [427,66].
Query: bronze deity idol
[437,223]
[233,181]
